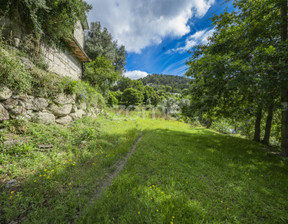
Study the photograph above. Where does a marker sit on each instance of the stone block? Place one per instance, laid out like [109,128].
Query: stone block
[10,103]
[78,114]
[4,114]
[44,118]
[39,104]
[61,110]
[65,99]
[64,120]
[5,93]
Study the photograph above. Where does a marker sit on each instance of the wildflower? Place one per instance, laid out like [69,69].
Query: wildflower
[138,212]
[74,164]
[221,201]
[162,192]
[40,175]
[173,217]
[153,185]
[44,175]
[35,181]
[52,170]
[171,222]
[11,197]
[45,170]
[12,192]
[69,184]
[48,177]
[157,210]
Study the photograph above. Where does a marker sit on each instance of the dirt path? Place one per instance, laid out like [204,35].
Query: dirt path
[119,167]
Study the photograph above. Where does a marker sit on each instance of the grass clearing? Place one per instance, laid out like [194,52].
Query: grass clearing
[184,175]
[178,174]
[54,185]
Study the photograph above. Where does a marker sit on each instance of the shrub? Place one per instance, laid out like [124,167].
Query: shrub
[112,99]
[132,97]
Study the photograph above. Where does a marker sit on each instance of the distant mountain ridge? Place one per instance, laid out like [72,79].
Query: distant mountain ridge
[176,82]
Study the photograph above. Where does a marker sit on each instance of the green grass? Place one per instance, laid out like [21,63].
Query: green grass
[177,174]
[184,175]
[55,185]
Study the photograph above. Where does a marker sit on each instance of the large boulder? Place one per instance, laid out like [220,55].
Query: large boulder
[17,110]
[4,114]
[5,93]
[64,120]
[82,106]
[27,63]
[39,104]
[78,114]
[10,103]
[61,98]
[61,110]
[44,118]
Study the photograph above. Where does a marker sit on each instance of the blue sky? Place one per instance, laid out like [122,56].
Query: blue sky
[157,33]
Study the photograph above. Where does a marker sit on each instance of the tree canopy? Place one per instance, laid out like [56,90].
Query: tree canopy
[242,67]
[100,43]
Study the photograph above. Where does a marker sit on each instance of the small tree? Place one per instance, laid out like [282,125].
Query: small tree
[101,74]
[132,97]
[112,99]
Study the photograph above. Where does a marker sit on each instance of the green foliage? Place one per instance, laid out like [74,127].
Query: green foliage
[132,97]
[177,83]
[122,84]
[238,72]
[43,84]
[180,174]
[101,74]
[64,177]
[50,21]
[99,43]
[112,99]
[89,95]
[13,73]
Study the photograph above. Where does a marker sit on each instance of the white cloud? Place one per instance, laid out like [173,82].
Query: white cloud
[135,74]
[141,23]
[200,37]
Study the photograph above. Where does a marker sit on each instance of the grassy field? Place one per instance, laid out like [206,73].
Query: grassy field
[178,174]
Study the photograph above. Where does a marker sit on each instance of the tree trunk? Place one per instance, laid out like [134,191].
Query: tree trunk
[284,88]
[257,133]
[268,125]
[209,124]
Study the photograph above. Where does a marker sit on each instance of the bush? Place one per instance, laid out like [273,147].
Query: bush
[13,73]
[101,74]
[88,94]
[132,97]
[112,99]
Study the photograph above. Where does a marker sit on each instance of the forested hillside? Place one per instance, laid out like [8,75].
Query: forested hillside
[176,82]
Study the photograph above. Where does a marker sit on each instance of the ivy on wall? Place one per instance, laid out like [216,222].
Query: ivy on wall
[47,20]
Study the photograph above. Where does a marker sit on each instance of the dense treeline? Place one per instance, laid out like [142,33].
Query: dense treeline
[242,72]
[135,92]
[177,83]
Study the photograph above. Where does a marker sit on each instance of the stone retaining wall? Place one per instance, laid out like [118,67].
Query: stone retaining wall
[62,62]
[62,109]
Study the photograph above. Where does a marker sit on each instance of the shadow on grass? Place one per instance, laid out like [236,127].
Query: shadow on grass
[196,176]
[71,173]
